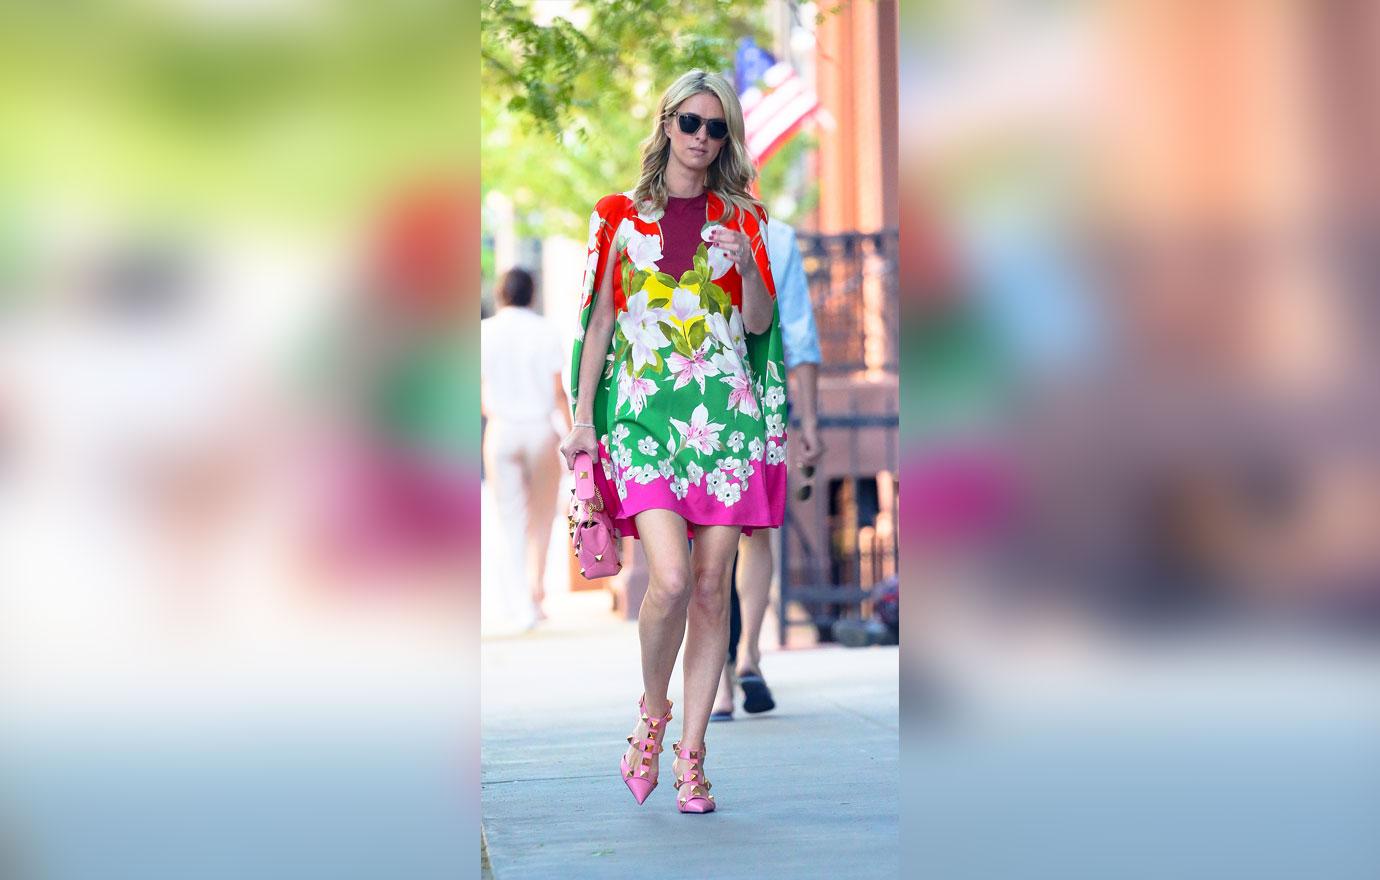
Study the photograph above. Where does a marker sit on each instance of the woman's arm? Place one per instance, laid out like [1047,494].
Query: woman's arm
[593,356]
[757,297]
[757,303]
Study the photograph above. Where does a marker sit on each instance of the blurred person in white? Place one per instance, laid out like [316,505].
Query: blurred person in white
[133,390]
[521,389]
[750,593]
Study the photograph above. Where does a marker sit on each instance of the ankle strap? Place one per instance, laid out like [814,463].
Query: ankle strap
[652,722]
[689,754]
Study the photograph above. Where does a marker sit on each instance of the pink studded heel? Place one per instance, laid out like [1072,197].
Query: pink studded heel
[641,782]
[693,786]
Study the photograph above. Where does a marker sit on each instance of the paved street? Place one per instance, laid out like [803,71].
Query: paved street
[807,790]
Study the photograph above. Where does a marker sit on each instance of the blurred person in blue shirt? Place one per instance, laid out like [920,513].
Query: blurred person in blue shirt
[753,569]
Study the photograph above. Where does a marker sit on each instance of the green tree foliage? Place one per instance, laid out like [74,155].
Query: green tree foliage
[566,103]
[299,115]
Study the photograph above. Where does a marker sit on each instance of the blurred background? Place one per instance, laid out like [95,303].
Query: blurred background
[237,443]
[1141,534]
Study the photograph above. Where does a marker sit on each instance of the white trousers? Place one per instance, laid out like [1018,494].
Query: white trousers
[522,464]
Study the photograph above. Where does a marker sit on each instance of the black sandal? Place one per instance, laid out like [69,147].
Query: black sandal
[756,694]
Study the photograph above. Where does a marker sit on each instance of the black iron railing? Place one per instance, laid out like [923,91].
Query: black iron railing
[842,541]
[848,273]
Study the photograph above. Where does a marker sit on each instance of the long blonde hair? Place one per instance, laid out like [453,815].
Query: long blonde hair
[730,176]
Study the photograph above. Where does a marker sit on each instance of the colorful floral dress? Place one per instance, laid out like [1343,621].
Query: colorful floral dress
[690,409]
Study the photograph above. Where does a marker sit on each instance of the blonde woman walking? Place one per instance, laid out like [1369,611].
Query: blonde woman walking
[678,391]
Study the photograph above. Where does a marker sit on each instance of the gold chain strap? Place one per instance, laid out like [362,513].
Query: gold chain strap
[593,505]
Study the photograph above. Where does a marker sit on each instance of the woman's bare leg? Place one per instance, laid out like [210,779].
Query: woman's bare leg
[661,622]
[706,647]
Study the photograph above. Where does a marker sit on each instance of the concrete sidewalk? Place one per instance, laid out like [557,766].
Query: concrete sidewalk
[807,790]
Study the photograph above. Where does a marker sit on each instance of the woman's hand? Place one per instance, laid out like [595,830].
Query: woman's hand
[757,304]
[738,246]
[579,440]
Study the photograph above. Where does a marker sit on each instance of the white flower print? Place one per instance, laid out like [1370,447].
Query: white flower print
[694,473]
[624,456]
[729,494]
[775,397]
[755,449]
[648,446]
[591,271]
[714,481]
[646,211]
[680,487]
[641,327]
[664,466]
[595,221]
[639,312]
[620,433]
[727,362]
[644,250]
[643,474]
[608,468]
[624,233]
[735,441]
[695,367]
[719,263]
[775,425]
[700,433]
[743,470]
[634,390]
[685,306]
[622,488]
[729,333]
[740,397]
[775,454]
[727,464]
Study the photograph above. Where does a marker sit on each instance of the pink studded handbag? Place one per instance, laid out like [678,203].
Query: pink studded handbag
[591,529]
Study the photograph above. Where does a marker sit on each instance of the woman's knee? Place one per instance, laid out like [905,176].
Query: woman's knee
[670,583]
[711,587]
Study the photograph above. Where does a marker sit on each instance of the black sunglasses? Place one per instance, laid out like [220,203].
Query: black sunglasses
[691,122]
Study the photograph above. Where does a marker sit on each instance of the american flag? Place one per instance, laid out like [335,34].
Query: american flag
[775,101]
